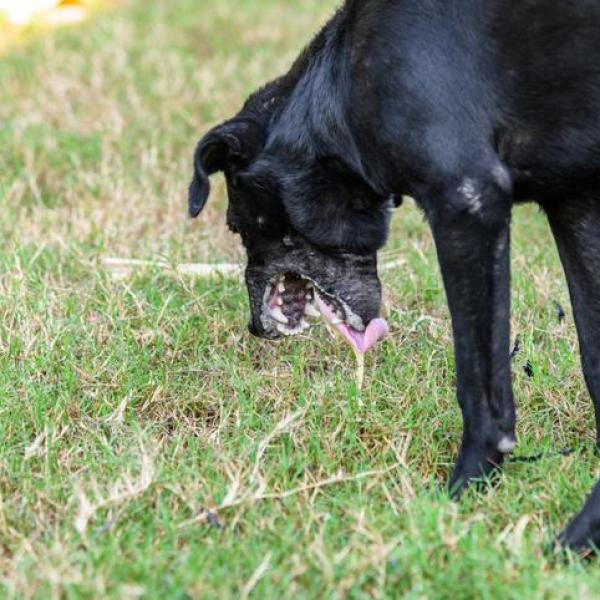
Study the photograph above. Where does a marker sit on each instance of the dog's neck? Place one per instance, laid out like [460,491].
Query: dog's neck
[312,115]
[306,112]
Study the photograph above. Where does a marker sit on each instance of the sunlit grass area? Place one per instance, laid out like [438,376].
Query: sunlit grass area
[150,448]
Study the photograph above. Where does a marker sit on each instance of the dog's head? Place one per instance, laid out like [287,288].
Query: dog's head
[310,224]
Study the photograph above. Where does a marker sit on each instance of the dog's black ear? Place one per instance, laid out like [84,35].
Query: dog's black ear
[235,142]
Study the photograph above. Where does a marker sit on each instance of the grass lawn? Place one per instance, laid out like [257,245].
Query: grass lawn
[150,448]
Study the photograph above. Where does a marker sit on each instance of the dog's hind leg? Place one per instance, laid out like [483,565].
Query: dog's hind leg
[576,228]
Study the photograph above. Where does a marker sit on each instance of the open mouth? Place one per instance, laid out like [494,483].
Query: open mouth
[291,300]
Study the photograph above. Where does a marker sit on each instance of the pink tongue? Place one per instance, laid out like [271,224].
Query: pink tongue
[361,341]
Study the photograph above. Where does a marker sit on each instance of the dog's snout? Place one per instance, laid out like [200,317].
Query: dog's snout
[255,330]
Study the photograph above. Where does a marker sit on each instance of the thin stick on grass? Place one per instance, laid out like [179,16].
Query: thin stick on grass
[129,266]
[124,266]
[206,270]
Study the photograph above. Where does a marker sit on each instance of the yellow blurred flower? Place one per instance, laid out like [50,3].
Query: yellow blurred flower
[21,12]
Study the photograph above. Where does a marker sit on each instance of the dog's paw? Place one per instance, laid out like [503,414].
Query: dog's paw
[474,466]
[581,536]
[583,533]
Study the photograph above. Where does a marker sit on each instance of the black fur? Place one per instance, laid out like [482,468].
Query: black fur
[469,106]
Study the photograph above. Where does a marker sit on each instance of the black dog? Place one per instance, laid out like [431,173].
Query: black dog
[469,106]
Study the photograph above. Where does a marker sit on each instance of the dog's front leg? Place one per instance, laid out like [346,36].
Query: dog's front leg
[470,221]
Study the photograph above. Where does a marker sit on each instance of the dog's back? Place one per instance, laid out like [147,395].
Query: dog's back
[525,72]
[549,63]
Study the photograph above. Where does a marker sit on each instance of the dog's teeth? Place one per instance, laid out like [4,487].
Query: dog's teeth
[338,317]
[283,329]
[281,287]
[309,285]
[287,331]
[278,315]
[279,301]
[311,311]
